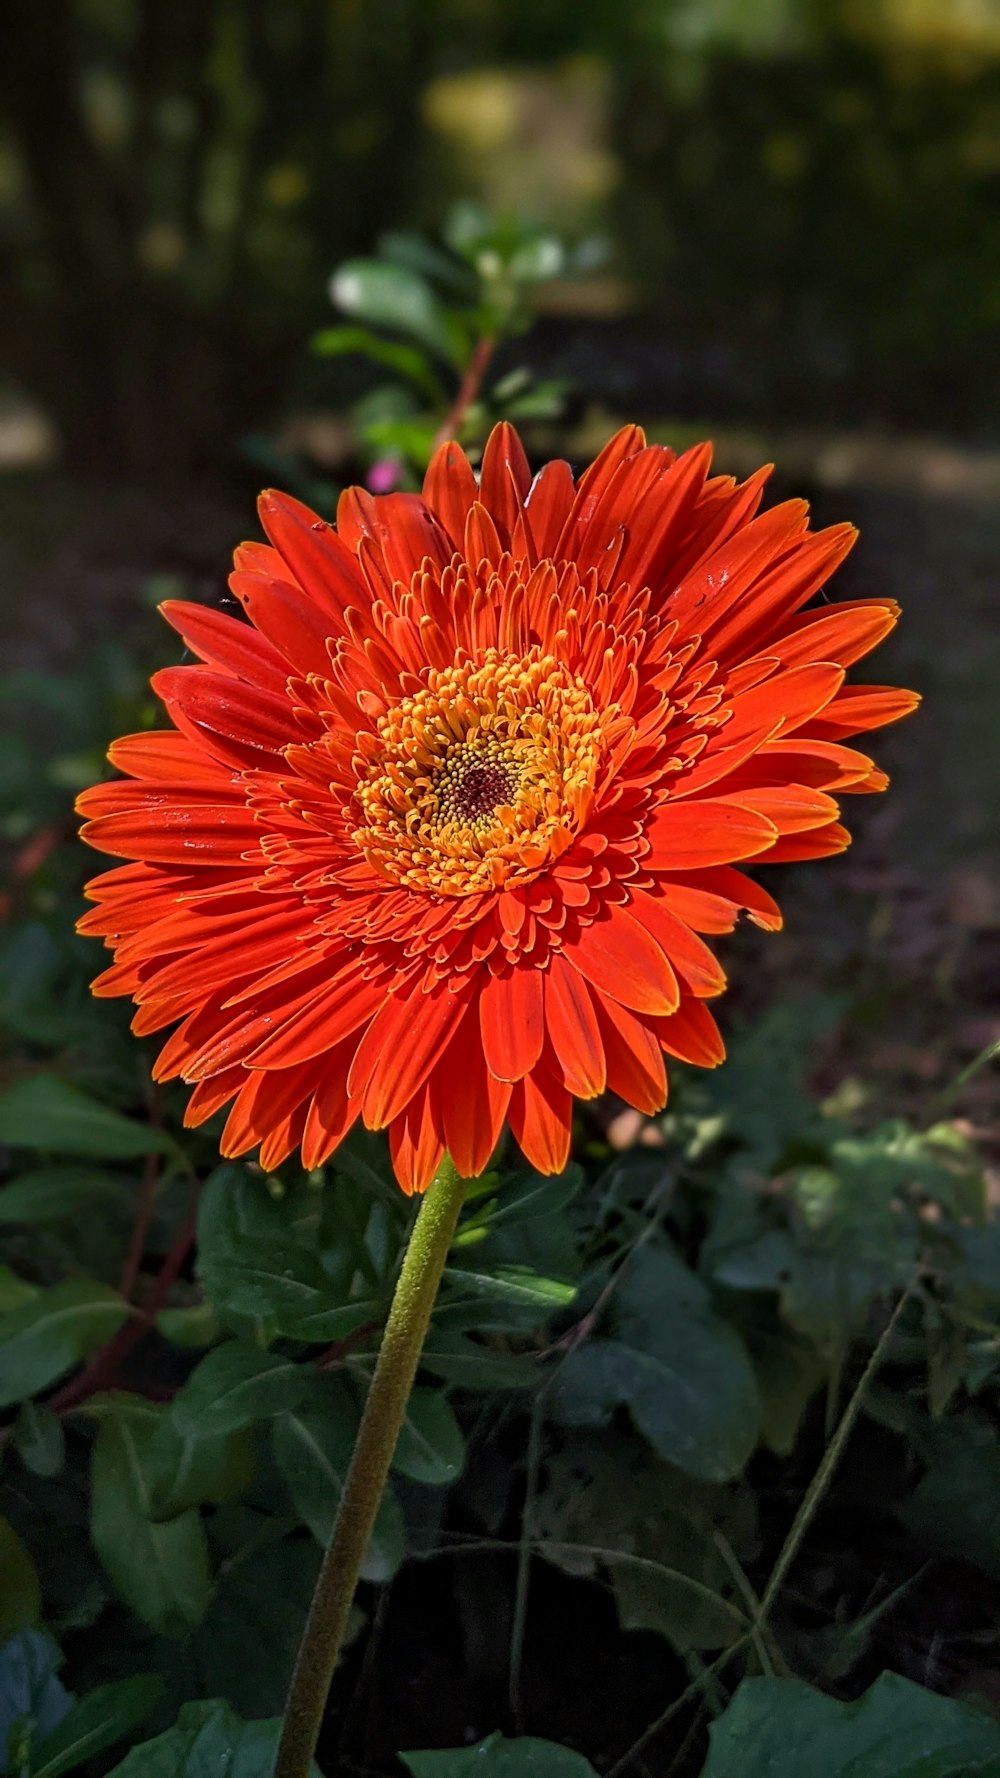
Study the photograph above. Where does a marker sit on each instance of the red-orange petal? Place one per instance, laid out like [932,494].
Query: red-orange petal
[689,835]
[405,1039]
[166,756]
[620,958]
[450,487]
[634,1059]
[471,1103]
[692,1035]
[319,560]
[573,1030]
[416,1143]
[512,1022]
[859,707]
[541,1117]
[690,957]
[228,643]
[791,807]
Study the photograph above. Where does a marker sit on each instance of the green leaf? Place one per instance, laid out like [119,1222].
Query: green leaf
[46,1336]
[313,1448]
[20,1594]
[187,1471]
[50,1114]
[682,1371]
[160,1570]
[789,1372]
[236,1385]
[406,361]
[53,1192]
[253,1261]
[192,1328]
[498,1758]
[761,1099]
[284,1284]
[96,1722]
[824,1292]
[15,1290]
[470,1365]
[208,1740]
[606,1502]
[955,1508]
[431,261]
[265,1575]
[32,1696]
[781,1728]
[395,297]
[430,1447]
[39,1439]
[517,1285]
[529,1196]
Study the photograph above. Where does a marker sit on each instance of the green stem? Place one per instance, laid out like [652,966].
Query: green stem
[385,1410]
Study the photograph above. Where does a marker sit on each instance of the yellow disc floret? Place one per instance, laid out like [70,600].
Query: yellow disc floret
[483,776]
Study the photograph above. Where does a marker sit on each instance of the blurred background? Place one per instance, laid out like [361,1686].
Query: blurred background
[776,221]
[799,198]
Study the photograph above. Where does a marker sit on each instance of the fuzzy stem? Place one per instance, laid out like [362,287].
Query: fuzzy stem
[385,1409]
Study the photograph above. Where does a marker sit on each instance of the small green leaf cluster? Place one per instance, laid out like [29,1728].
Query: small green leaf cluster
[432,315]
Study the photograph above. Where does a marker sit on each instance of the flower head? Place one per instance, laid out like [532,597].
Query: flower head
[433,838]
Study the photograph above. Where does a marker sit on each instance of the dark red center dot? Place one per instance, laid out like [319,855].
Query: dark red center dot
[481,789]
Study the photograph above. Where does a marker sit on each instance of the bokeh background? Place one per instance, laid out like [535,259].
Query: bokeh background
[789,211]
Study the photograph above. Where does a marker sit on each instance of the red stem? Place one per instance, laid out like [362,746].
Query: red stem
[468,389]
[144,1206]
[340,1349]
[101,1371]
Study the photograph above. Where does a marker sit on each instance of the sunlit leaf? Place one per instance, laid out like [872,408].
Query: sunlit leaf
[393,296]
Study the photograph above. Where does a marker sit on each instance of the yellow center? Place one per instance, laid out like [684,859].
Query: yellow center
[482,777]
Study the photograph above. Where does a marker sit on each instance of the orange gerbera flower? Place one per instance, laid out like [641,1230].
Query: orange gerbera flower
[433,836]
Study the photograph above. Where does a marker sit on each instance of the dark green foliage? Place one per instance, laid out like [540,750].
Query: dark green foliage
[497,1758]
[779,1728]
[33,1700]
[656,1316]
[208,1741]
[618,1360]
[100,1719]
